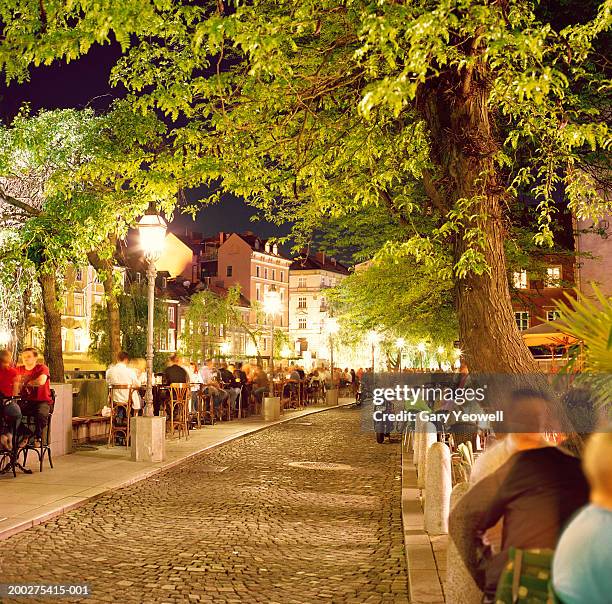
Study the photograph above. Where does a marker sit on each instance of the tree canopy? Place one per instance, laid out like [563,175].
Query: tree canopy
[439,112]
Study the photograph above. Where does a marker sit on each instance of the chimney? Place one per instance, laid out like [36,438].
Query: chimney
[275,249]
[267,247]
[221,237]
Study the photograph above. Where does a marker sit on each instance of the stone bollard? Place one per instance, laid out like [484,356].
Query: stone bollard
[438,486]
[429,437]
[460,587]
[418,437]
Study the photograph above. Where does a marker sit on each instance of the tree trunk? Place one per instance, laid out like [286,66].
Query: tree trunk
[53,327]
[462,148]
[104,268]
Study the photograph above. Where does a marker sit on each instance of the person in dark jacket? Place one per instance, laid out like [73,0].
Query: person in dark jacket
[535,493]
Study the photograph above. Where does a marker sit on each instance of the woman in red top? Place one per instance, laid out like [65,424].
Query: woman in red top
[35,389]
[10,413]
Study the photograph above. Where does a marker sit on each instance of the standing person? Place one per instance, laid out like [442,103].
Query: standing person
[535,493]
[354,382]
[120,374]
[35,389]
[9,410]
[582,563]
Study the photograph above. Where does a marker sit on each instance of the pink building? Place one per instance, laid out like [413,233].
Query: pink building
[594,246]
[257,266]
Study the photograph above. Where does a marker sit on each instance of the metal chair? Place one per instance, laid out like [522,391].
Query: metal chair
[180,394]
[119,409]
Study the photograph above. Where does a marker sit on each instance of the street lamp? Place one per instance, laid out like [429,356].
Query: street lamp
[422,347]
[152,230]
[331,328]
[373,339]
[5,337]
[272,306]
[440,350]
[400,343]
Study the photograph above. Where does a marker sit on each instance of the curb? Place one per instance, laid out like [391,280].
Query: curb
[27,524]
[424,585]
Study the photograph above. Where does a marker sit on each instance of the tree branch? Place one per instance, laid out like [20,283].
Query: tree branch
[16,203]
[403,221]
[432,192]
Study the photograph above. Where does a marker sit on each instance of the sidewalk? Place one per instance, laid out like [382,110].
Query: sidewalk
[29,500]
[425,554]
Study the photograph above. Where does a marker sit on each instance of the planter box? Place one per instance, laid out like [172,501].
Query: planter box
[61,424]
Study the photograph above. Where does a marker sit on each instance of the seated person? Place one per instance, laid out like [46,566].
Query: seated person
[121,374]
[243,381]
[582,563]
[213,386]
[261,384]
[230,384]
[175,373]
[34,389]
[10,413]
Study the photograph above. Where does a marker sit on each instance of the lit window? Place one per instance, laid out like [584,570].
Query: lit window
[78,305]
[302,282]
[171,315]
[229,270]
[519,279]
[522,319]
[301,323]
[301,302]
[172,340]
[552,315]
[553,276]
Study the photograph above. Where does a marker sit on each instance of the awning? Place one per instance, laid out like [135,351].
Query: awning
[550,333]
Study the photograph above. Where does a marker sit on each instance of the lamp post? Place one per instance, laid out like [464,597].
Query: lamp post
[373,338]
[272,305]
[421,347]
[152,230]
[400,343]
[331,327]
[441,350]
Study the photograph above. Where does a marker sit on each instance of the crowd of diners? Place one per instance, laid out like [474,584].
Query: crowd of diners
[236,385]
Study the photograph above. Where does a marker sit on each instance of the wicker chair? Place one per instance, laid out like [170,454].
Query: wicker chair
[180,395]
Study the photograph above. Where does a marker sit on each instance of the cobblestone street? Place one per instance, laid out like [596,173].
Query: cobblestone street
[237,524]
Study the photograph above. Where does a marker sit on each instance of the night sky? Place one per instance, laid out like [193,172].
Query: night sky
[84,83]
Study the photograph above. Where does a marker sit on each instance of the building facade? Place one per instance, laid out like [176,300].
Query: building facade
[534,294]
[309,277]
